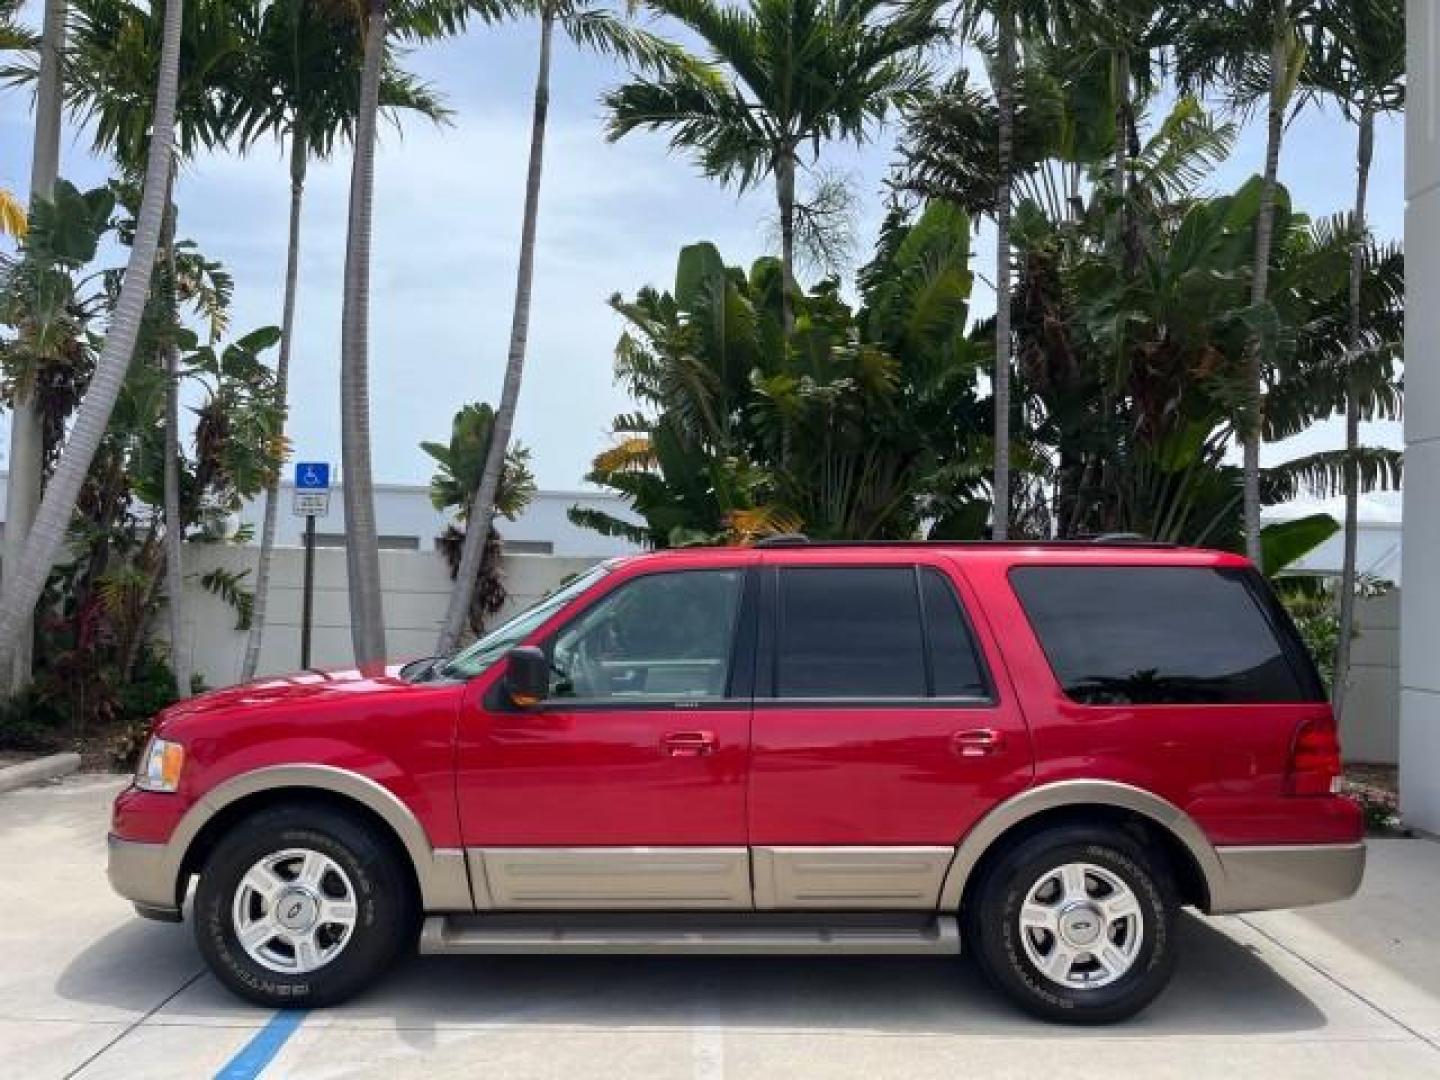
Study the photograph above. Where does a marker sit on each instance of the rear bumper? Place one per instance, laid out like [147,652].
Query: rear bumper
[1285,876]
[143,874]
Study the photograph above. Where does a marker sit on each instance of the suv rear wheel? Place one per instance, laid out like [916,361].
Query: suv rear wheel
[1076,925]
[301,906]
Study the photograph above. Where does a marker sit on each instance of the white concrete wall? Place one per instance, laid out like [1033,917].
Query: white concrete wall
[1378,551]
[1370,728]
[404,511]
[417,586]
[1420,605]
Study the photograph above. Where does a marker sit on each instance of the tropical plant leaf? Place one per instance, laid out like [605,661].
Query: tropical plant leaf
[1284,543]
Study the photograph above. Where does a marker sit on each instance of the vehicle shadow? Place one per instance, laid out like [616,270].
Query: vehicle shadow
[1222,986]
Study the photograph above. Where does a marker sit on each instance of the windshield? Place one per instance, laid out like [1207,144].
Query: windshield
[479,656]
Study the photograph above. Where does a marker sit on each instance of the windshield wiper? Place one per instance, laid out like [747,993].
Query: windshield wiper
[424,670]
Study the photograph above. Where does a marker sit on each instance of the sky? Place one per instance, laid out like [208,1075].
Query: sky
[612,219]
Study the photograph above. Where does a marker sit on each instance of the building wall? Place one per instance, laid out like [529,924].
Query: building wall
[1420,605]
[1378,552]
[406,519]
[417,586]
[1370,726]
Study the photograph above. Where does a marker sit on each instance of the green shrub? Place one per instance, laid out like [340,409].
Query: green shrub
[151,689]
[31,721]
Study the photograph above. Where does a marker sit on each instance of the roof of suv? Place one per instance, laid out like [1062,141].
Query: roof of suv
[1103,551]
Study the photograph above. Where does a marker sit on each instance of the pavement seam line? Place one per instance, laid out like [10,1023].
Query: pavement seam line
[1356,994]
[135,1024]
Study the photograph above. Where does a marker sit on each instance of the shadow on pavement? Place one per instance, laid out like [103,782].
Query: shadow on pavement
[1222,986]
[135,966]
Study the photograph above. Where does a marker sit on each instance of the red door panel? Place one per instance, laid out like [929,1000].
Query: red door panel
[879,775]
[602,777]
[646,737]
[885,772]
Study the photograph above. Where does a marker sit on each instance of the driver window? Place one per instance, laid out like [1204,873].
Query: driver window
[664,637]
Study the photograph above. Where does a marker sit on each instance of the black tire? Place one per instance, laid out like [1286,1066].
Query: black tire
[385,907]
[993,931]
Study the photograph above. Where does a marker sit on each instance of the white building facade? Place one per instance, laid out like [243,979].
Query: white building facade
[1420,598]
[407,521]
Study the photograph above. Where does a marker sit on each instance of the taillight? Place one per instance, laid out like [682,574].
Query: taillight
[1315,759]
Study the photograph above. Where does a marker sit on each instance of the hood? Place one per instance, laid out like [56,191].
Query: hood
[293,689]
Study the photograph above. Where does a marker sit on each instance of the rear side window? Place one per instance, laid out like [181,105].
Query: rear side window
[1162,635]
[955,666]
[873,632]
[850,632]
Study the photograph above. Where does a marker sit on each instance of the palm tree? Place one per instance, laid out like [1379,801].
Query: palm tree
[1009,18]
[1005,99]
[362,544]
[27,455]
[782,77]
[600,30]
[113,54]
[1253,49]
[1130,38]
[1362,66]
[301,84]
[459,464]
[24,584]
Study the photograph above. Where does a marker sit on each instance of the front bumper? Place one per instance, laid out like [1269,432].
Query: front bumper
[1286,876]
[144,874]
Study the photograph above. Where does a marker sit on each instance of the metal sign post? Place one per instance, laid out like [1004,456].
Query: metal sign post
[312,500]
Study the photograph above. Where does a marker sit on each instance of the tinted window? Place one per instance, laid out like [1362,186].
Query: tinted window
[954,666]
[849,632]
[1156,635]
[662,637]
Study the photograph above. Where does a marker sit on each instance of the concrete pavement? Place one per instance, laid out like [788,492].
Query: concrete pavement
[89,990]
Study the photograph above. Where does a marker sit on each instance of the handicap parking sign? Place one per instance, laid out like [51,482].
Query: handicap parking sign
[312,475]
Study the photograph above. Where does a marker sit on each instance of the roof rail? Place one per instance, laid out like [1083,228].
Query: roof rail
[1115,539]
[791,539]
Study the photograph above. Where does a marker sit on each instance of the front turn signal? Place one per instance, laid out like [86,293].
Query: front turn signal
[160,766]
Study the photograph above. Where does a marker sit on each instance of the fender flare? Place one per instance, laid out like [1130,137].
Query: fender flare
[441,873]
[1078,793]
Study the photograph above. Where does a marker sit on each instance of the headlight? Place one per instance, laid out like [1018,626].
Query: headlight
[160,765]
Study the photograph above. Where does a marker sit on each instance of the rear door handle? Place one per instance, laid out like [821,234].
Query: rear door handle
[977,742]
[688,744]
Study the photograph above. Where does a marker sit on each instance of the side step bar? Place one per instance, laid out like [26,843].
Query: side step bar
[650,933]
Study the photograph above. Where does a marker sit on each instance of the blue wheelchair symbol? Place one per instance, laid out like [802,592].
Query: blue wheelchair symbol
[312,475]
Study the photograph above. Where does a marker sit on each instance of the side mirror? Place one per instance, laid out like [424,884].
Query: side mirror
[527,676]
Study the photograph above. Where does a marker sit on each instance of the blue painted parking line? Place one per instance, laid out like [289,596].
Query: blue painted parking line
[250,1062]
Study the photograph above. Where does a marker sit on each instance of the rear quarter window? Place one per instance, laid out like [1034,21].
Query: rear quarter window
[1153,635]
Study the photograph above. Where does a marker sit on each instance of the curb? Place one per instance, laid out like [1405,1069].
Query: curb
[38,771]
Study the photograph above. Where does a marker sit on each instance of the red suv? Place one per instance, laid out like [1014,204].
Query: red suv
[1041,751]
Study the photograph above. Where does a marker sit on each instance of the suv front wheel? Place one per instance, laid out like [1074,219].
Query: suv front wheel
[1075,924]
[300,906]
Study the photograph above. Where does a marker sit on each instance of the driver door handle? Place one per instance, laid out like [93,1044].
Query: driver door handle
[688,744]
[977,742]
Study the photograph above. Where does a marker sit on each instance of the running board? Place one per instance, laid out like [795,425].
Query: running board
[650,933]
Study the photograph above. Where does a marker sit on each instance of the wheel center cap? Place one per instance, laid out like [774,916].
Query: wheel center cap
[1081,925]
[296,909]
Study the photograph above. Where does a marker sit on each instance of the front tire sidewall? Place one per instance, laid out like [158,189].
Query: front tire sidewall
[995,933]
[381,915]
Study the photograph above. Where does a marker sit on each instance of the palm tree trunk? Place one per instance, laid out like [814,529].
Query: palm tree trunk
[482,508]
[27,433]
[47,535]
[362,547]
[1364,153]
[1260,278]
[785,197]
[1004,96]
[299,155]
[1129,235]
[174,524]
